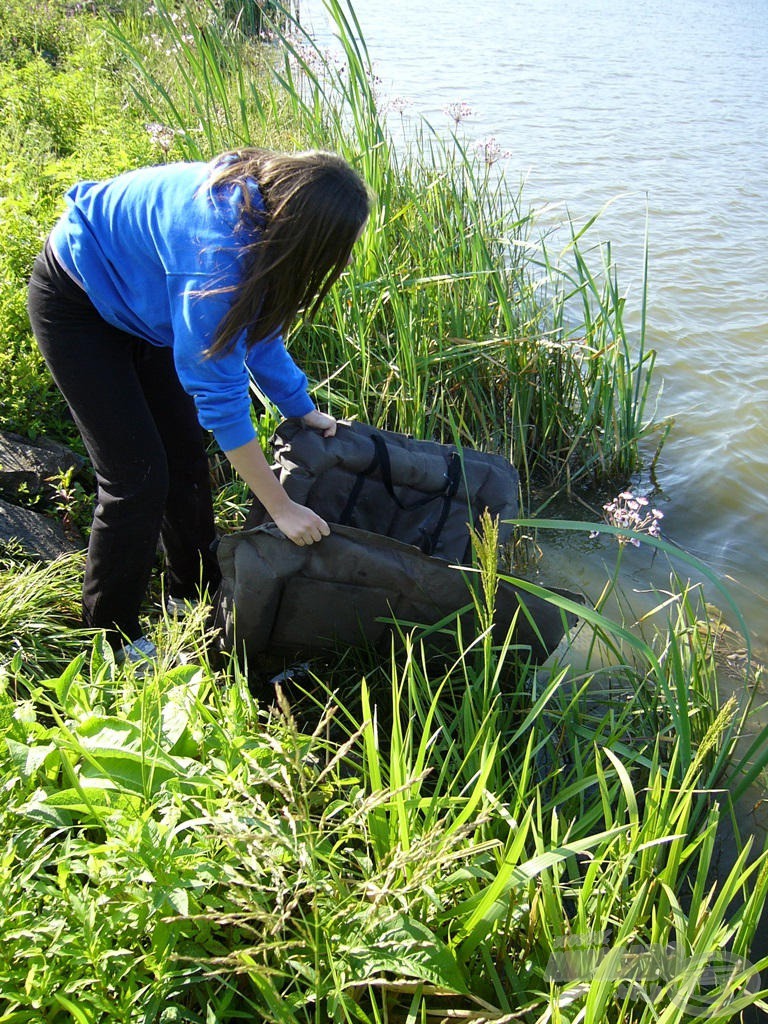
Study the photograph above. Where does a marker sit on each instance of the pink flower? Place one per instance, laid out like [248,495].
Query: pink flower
[459,111]
[491,151]
[624,512]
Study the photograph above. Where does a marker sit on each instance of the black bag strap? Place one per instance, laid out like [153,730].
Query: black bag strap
[381,461]
[354,494]
[453,478]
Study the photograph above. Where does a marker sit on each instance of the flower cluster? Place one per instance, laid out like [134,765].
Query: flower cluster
[398,104]
[162,135]
[630,513]
[170,48]
[459,111]
[490,150]
[153,11]
[319,62]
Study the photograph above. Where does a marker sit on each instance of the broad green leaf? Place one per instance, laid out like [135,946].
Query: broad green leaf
[39,808]
[28,759]
[126,772]
[405,948]
[67,687]
[175,720]
[108,734]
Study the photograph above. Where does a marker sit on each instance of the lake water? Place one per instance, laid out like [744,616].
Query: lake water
[661,108]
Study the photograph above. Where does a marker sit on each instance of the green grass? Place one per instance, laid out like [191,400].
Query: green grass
[405,840]
[427,840]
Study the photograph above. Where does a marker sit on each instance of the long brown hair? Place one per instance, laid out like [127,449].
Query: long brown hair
[316,205]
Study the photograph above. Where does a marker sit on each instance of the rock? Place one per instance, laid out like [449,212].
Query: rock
[37,535]
[26,465]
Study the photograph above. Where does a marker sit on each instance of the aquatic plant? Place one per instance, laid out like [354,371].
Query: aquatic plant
[627,511]
[443,324]
[458,111]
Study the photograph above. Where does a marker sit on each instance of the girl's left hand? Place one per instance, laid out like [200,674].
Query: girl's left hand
[320,421]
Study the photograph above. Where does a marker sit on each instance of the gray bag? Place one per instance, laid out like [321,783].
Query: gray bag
[418,492]
[400,512]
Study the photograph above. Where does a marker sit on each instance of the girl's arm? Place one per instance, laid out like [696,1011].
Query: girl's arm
[298,523]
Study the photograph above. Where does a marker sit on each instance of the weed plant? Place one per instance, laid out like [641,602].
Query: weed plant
[484,841]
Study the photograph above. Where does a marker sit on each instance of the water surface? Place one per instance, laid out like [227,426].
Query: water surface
[661,108]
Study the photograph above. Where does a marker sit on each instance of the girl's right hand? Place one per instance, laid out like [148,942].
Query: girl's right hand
[300,524]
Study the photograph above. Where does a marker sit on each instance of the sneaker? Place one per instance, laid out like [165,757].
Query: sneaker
[141,653]
[180,606]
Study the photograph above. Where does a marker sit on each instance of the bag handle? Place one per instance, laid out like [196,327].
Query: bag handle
[453,476]
[382,462]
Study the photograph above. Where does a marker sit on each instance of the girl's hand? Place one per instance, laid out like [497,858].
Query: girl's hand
[320,421]
[300,524]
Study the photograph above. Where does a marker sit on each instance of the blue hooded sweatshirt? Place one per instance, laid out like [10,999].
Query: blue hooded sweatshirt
[151,248]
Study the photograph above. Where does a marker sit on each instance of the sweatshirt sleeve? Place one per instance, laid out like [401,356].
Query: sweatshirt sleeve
[279,377]
[219,385]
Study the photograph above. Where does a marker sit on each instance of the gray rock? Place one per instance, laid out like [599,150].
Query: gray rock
[27,465]
[38,536]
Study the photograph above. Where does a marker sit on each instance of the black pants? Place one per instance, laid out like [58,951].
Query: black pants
[146,446]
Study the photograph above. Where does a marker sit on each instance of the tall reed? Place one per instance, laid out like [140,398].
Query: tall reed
[443,325]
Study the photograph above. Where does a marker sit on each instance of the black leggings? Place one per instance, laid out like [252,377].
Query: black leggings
[146,446]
